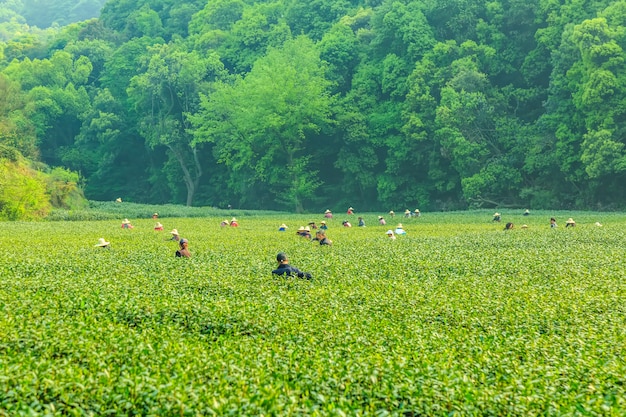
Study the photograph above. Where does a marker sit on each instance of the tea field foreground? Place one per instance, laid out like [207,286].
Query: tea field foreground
[457,318]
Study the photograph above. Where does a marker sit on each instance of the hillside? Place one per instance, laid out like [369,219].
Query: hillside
[46,13]
[298,106]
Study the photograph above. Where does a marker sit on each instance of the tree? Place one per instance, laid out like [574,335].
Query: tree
[340,48]
[262,123]
[315,17]
[251,30]
[586,107]
[55,99]
[165,95]
[153,18]
[16,128]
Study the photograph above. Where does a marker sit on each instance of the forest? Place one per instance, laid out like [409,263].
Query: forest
[305,105]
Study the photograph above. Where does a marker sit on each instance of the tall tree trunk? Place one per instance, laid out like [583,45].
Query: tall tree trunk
[191,181]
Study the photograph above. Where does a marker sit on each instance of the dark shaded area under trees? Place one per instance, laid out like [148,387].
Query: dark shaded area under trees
[327,103]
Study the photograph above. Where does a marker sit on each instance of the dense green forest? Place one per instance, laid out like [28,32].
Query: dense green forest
[304,105]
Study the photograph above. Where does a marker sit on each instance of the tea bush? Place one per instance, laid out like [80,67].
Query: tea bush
[109,210]
[457,317]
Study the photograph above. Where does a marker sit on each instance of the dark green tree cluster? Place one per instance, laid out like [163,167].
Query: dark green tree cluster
[285,104]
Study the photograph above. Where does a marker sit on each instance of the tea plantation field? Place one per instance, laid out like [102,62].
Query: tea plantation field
[458,317]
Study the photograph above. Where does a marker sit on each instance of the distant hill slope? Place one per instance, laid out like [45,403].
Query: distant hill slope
[45,13]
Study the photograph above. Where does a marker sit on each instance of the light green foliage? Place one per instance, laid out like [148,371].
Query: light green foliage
[23,191]
[263,123]
[29,190]
[64,189]
[217,15]
[602,155]
[456,317]
[108,210]
[144,22]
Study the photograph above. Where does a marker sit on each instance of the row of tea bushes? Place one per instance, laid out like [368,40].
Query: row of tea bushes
[458,316]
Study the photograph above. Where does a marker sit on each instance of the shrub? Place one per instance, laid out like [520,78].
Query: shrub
[64,189]
[22,192]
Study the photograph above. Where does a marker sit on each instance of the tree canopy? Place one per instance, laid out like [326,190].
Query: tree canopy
[283,104]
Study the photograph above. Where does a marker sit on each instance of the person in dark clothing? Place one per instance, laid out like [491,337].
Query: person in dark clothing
[324,241]
[304,232]
[285,269]
[320,236]
[183,252]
